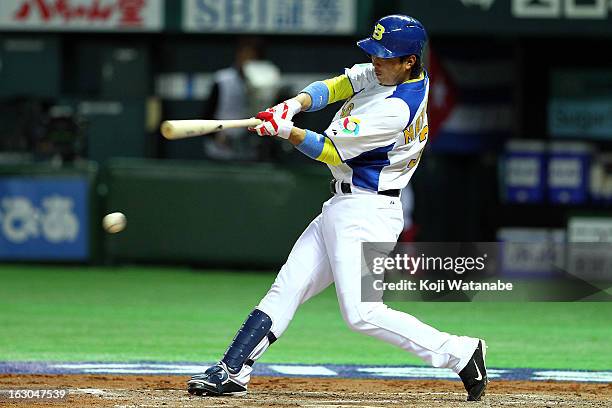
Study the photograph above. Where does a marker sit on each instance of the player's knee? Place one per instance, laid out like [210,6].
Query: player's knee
[356,316]
[354,322]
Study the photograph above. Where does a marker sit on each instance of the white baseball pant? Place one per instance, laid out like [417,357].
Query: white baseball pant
[329,250]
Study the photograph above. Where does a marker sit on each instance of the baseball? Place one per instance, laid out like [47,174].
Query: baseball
[114,222]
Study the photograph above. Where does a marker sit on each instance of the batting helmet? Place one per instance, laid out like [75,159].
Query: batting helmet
[395,36]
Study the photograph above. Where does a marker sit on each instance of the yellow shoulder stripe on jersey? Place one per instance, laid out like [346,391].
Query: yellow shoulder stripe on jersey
[339,88]
[420,78]
[329,154]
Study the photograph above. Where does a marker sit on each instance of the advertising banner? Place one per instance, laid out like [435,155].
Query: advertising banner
[44,218]
[580,104]
[523,171]
[511,17]
[270,16]
[82,15]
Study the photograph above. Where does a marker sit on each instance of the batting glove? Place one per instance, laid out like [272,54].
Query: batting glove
[287,109]
[273,125]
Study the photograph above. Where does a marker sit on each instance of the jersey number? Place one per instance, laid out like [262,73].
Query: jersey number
[378,32]
[414,162]
[419,128]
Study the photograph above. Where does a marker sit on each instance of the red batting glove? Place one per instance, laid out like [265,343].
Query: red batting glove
[273,125]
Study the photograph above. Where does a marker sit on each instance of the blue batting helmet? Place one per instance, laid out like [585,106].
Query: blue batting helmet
[395,36]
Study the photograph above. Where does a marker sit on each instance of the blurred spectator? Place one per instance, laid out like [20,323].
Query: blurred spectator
[246,87]
[40,130]
[63,140]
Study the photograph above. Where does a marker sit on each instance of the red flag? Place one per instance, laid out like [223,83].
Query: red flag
[442,94]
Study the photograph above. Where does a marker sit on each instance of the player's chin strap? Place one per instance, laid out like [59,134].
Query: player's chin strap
[250,342]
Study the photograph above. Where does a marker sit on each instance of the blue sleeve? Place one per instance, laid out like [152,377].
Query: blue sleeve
[320,95]
[313,144]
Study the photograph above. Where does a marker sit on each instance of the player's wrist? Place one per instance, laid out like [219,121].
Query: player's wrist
[284,128]
[294,106]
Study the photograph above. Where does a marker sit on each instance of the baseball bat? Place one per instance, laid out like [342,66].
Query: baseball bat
[180,129]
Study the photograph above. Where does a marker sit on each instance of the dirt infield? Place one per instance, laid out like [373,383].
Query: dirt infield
[169,391]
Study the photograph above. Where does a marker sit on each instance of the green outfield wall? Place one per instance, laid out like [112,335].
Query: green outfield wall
[178,212]
[210,214]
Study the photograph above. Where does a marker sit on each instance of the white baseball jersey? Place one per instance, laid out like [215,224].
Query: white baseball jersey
[379,132]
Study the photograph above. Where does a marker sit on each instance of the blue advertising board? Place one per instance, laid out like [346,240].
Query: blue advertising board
[44,218]
[585,118]
[580,104]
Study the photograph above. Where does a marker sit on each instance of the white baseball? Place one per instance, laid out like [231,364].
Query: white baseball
[114,222]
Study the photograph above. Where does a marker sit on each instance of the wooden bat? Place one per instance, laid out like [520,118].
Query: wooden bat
[180,129]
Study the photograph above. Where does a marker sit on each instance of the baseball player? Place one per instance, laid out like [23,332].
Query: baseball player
[372,147]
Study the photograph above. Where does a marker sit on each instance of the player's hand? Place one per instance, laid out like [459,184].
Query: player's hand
[273,125]
[287,109]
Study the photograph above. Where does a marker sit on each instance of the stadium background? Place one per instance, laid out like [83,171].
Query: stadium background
[520,150]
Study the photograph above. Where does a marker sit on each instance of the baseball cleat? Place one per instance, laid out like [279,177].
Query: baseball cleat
[214,382]
[474,374]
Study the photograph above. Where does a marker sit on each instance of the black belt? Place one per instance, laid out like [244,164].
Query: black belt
[345,188]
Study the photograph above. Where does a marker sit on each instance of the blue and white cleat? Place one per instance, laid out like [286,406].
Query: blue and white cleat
[215,381]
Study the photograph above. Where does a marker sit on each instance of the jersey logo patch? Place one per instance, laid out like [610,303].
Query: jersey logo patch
[351,126]
[346,110]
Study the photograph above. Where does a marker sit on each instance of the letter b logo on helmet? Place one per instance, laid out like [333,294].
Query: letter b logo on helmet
[395,36]
[379,30]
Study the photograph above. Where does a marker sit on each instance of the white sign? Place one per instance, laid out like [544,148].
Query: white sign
[522,172]
[82,15]
[556,9]
[564,172]
[319,17]
[20,220]
[531,250]
[590,229]
[483,4]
